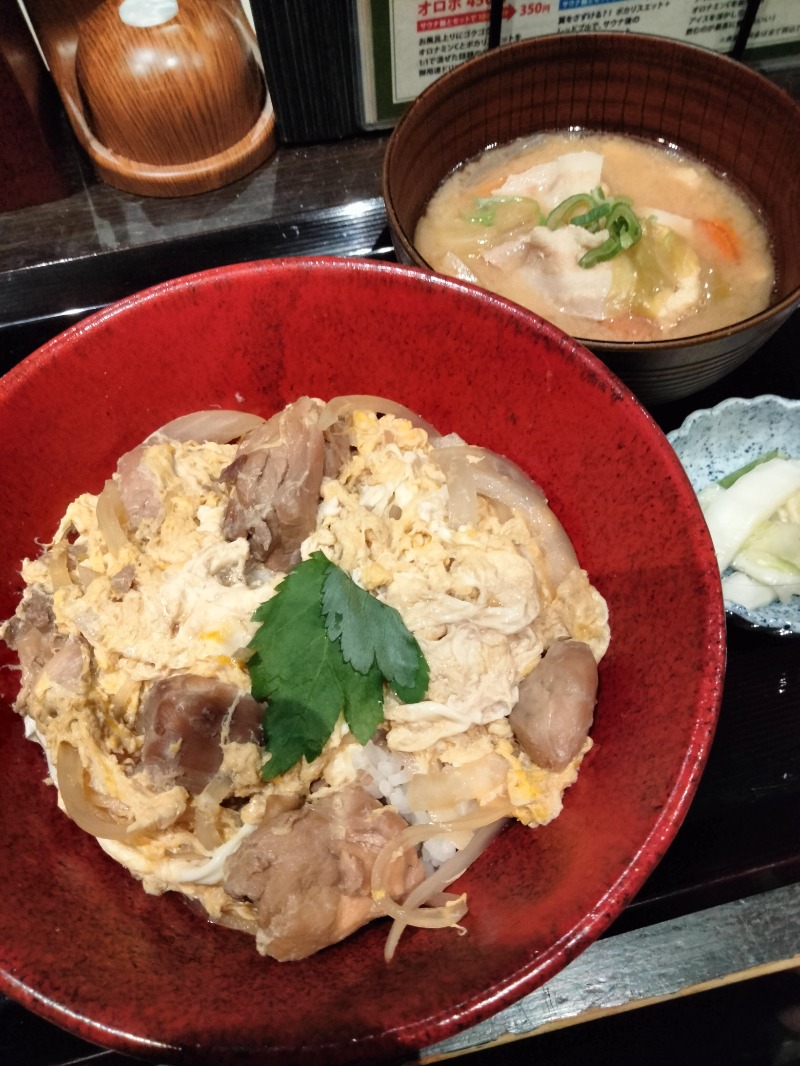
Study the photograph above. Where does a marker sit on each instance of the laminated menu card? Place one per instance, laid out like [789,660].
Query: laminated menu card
[404,45]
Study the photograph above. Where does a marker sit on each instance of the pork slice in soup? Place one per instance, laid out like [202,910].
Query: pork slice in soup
[609,237]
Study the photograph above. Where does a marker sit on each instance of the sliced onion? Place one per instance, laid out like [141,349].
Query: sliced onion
[441,917]
[119,701]
[85,576]
[66,665]
[72,789]
[243,654]
[475,819]
[410,837]
[234,921]
[448,872]
[513,487]
[206,807]
[340,406]
[57,566]
[462,494]
[443,790]
[111,516]
[218,426]
[498,479]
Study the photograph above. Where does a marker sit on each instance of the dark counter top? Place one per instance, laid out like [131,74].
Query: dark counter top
[62,260]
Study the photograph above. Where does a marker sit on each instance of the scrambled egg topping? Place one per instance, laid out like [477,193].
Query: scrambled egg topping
[177,596]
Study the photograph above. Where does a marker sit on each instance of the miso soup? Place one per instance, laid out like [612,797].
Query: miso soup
[609,237]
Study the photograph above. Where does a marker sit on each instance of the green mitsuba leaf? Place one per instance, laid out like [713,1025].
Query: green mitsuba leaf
[323,649]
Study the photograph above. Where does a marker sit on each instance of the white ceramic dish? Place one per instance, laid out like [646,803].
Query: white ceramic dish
[714,442]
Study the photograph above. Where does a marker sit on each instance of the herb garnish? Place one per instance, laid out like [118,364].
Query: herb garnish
[325,646]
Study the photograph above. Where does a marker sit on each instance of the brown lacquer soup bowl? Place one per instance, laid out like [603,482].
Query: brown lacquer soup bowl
[685,98]
[81,943]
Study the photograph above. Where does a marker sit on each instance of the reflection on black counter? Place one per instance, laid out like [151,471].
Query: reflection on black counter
[775,368]
[740,833]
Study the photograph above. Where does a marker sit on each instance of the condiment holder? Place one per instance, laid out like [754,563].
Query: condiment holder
[168,97]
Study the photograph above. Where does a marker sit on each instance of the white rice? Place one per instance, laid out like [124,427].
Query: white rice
[387,774]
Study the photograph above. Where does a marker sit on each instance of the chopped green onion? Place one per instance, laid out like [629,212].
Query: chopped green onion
[563,212]
[592,211]
[605,251]
[590,218]
[624,223]
[624,230]
[484,208]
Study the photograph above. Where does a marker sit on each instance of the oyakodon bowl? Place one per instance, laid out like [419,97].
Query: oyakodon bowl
[80,941]
[705,104]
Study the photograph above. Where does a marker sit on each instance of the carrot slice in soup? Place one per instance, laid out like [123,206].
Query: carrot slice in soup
[720,234]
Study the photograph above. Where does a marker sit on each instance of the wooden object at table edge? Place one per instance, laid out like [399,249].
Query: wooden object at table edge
[723,945]
[57,25]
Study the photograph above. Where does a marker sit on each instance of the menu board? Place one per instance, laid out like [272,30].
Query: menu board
[404,45]
[776,30]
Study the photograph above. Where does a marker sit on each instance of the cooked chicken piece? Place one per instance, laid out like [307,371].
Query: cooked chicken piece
[556,705]
[31,632]
[275,479]
[308,872]
[138,487]
[185,720]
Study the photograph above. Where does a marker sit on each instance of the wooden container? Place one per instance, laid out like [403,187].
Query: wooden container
[170,108]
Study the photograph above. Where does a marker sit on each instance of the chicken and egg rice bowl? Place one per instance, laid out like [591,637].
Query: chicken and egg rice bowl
[301,670]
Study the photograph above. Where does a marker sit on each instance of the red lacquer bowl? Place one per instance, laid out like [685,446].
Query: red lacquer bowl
[80,942]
